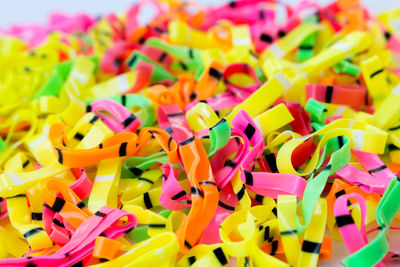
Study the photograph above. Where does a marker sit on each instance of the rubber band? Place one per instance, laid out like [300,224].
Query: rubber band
[274,122]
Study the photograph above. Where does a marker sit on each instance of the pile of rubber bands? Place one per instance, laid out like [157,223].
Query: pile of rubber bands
[253,133]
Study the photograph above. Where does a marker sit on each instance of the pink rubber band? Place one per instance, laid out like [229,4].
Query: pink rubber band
[122,121]
[81,244]
[353,238]
[83,185]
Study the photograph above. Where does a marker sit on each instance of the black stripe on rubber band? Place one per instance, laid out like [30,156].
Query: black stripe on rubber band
[261,14]
[340,141]
[329,92]
[123,100]
[184,67]
[58,204]
[274,247]
[275,211]
[249,131]
[179,195]
[94,119]
[259,198]
[196,191]
[169,142]
[32,232]
[147,200]
[218,123]
[145,180]
[171,115]
[266,233]
[377,169]
[220,255]
[266,38]
[162,57]
[215,73]
[135,171]
[271,161]
[339,193]
[58,223]
[129,120]
[37,216]
[25,163]
[132,60]
[187,244]
[208,183]
[311,247]
[187,141]
[225,206]
[78,136]
[100,214]
[394,128]
[289,232]
[122,149]
[191,260]
[249,177]
[81,205]
[375,73]
[60,156]
[230,163]
[343,220]
[157,225]
[240,194]
[19,195]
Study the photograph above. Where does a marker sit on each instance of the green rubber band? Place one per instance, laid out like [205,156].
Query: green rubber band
[181,52]
[191,58]
[138,234]
[145,114]
[198,73]
[188,65]
[219,137]
[317,126]
[260,74]
[159,73]
[165,213]
[96,62]
[303,55]
[2,144]
[318,111]
[347,68]
[305,50]
[141,163]
[315,185]
[52,87]
[64,69]
[60,74]
[376,250]
[351,69]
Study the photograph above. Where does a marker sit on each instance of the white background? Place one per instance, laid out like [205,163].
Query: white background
[35,11]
